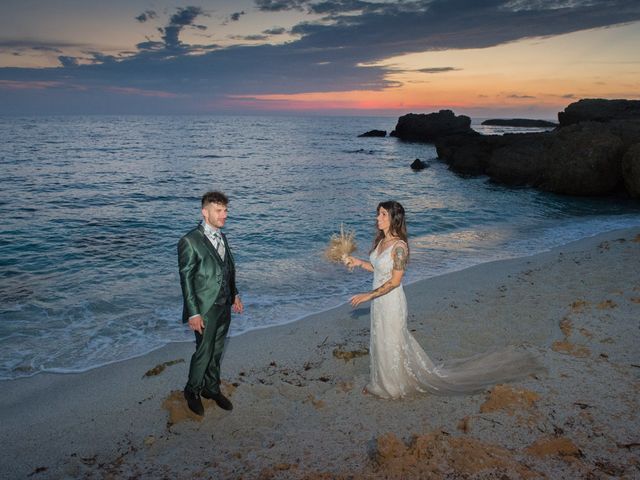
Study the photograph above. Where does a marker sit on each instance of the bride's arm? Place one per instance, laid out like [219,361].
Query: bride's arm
[357,262]
[386,287]
[399,265]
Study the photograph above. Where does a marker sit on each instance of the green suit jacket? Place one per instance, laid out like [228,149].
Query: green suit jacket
[201,270]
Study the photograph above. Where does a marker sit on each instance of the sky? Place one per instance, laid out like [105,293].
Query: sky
[482,58]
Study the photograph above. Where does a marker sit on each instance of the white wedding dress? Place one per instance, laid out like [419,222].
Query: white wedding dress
[399,365]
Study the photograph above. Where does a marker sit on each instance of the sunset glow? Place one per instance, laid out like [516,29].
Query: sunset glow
[306,56]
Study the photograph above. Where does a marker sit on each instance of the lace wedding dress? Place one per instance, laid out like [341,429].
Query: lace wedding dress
[399,365]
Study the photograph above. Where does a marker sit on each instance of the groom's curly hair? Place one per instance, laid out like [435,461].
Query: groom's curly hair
[214,197]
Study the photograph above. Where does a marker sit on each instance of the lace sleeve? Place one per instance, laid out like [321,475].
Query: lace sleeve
[400,255]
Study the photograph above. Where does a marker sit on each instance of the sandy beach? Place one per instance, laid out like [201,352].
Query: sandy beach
[299,412]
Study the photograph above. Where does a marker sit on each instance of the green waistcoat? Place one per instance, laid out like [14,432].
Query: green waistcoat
[202,271]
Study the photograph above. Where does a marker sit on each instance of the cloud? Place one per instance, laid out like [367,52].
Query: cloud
[520,97]
[250,38]
[42,48]
[99,57]
[142,92]
[275,31]
[150,45]
[236,16]
[146,15]
[438,70]
[333,8]
[39,45]
[280,5]
[185,17]
[67,61]
[330,53]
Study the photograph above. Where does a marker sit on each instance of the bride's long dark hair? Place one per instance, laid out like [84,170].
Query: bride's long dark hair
[397,227]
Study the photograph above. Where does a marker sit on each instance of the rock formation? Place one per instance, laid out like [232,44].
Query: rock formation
[584,156]
[431,126]
[631,170]
[418,164]
[599,110]
[519,122]
[374,133]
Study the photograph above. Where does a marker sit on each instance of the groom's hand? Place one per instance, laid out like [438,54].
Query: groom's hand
[238,307]
[196,324]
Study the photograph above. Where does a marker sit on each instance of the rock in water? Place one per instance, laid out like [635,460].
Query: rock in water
[418,165]
[432,126]
[374,133]
[519,122]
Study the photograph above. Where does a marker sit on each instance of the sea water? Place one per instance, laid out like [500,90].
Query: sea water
[92,208]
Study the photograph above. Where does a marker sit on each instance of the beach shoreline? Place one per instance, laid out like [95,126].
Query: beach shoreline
[296,387]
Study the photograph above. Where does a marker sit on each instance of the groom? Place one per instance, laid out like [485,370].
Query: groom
[208,281]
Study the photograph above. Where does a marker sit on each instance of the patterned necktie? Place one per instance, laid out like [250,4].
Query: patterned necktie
[219,244]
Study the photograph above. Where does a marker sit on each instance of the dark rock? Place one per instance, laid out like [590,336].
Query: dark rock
[595,151]
[467,155]
[631,170]
[627,130]
[583,159]
[432,126]
[374,133]
[519,122]
[418,165]
[599,110]
[518,160]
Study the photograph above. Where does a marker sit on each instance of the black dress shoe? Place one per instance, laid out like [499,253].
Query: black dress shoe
[222,401]
[194,402]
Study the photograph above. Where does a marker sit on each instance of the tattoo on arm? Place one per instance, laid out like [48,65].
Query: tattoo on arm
[383,289]
[400,258]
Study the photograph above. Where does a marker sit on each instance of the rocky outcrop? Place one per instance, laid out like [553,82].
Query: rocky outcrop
[519,160]
[519,122]
[431,126]
[599,110]
[467,155]
[583,159]
[418,164]
[374,133]
[586,158]
[631,170]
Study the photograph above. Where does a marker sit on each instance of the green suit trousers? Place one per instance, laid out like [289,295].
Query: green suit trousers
[204,371]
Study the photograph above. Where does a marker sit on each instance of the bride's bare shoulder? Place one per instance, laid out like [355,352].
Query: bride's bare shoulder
[400,244]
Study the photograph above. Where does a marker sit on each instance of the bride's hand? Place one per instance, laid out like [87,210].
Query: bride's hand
[360,298]
[349,261]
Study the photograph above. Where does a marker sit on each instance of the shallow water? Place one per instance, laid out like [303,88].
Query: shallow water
[93,207]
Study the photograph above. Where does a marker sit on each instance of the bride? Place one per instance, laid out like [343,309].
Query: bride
[399,365]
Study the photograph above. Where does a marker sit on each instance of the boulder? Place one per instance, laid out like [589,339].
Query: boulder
[519,122]
[519,160]
[432,126]
[467,155]
[418,165]
[599,110]
[631,170]
[583,159]
[374,133]
[627,130]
